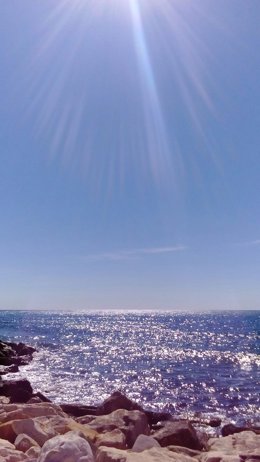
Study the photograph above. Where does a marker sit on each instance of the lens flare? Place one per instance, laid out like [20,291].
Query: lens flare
[111,85]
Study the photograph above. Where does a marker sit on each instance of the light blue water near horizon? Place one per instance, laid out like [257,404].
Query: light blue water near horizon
[190,364]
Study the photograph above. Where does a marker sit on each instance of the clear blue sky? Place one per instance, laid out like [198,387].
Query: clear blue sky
[130,163]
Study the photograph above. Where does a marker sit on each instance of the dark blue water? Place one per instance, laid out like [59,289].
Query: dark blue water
[184,363]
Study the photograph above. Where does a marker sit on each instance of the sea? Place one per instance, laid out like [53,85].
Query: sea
[200,365]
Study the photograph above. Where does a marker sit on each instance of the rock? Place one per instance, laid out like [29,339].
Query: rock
[230,429]
[215,422]
[185,451]
[33,453]
[24,442]
[117,401]
[131,423]
[8,453]
[239,443]
[85,419]
[31,427]
[63,448]
[21,349]
[179,433]
[8,369]
[144,442]
[154,454]
[25,411]
[155,417]
[6,444]
[113,439]
[19,391]
[39,397]
[217,456]
[13,353]
[79,410]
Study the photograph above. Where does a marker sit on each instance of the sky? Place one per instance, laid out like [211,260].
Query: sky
[130,160]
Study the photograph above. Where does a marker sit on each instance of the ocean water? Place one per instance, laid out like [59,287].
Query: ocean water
[203,364]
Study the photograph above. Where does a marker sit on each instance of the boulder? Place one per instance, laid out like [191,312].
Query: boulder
[11,455]
[230,429]
[25,411]
[15,353]
[31,427]
[117,401]
[180,433]
[21,349]
[144,442]
[78,410]
[239,443]
[8,369]
[24,442]
[85,419]
[217,456]
[131,423]
[64,448]
[113,439]
[154,454]
[19,391]
[33,453]
[155,417]
[185,451]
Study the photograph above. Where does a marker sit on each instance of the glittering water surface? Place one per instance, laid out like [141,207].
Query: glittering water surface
[183,363]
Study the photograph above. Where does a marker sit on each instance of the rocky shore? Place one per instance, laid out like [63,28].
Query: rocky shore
[33,429]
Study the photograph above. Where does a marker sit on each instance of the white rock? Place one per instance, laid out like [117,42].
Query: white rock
[33,452]
[144,442]
[11,455]
[154,454]
[66,448]
[239,443]
[24,442]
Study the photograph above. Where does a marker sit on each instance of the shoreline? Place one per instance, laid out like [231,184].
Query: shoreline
[118,429]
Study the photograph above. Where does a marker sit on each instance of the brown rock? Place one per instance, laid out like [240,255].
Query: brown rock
[117,401]
[79,410]
[131,423]
[179,433]
[25,411]
[154,454]
[113,439]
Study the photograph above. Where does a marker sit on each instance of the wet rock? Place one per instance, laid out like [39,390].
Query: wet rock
[179,433]
[8,369]
[215,422]
[118,401]
[66,447]
[131,423]
[79,410]
[155,417]
[19,391]
[230,429]
[15,353]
